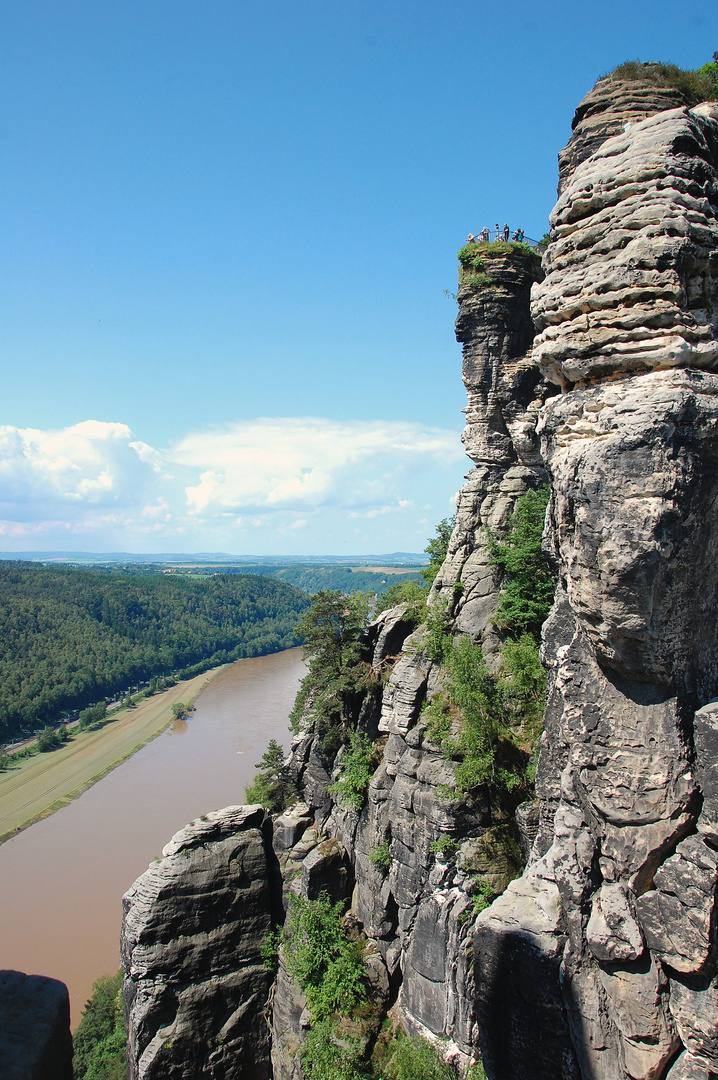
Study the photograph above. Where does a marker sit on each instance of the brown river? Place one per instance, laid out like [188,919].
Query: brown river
[62,880]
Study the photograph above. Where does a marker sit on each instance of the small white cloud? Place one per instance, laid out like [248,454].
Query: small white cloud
[158,510]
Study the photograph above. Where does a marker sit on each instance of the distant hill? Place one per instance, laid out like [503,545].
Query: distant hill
[74,636]
[396,558]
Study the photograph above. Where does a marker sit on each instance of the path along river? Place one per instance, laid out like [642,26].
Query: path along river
[62,880]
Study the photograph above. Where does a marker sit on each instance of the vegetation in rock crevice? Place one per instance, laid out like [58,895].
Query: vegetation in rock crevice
[345,1039]
[357,768]
[319,954]
[339,675]
[486,723]
[273,787]
[528,585]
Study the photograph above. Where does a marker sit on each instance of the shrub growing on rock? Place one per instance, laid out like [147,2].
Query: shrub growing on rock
[357,770]
[326,963]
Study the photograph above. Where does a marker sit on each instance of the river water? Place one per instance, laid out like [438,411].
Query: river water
[62,880]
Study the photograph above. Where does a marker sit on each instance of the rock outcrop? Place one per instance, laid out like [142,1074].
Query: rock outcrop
[195,985]
[35,1023]
[611,107]
[505,394]
[623,872]
[418,912]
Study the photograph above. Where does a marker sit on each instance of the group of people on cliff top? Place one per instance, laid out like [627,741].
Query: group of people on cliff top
[488,235]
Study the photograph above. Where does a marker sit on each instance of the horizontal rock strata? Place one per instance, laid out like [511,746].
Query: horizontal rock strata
[195,985]
[632,269]
[624,865]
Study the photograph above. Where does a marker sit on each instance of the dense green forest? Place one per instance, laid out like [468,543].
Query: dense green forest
[71,637]
[345,578]
[314,578]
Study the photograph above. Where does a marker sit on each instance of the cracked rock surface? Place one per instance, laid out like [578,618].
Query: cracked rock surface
[626,849]
[195,986]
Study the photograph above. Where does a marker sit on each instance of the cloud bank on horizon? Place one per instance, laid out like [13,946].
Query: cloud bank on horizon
[271,486]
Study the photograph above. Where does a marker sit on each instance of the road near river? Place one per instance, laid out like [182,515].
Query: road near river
[62,879]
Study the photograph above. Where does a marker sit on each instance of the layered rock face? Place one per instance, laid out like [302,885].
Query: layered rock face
[418,914]
[505,394]
[612,926]
[195,986]
[611,107]
[599,962]
[631,270]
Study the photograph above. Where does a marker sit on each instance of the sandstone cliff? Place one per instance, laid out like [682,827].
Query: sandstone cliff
[613,921]
[598,962]
[417,914]
[195,984]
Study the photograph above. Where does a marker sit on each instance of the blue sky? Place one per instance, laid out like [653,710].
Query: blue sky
[227,229]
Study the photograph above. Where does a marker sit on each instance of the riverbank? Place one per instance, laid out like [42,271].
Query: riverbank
[62,880]
[36,787]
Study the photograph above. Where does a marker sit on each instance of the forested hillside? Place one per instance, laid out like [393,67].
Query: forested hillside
[70,637]
[346,578]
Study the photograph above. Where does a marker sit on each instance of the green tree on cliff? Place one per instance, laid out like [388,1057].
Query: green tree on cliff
[100,1042]
[332,629]
[437,548]
[273,787]
[528,589]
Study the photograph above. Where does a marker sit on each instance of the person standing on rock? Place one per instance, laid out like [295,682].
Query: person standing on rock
[506,231]
[484,235]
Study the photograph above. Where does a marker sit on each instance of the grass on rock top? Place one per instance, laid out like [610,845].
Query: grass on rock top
[696,86]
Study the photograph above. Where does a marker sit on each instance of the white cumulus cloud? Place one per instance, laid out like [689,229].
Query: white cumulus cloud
[295,463]
[91,464]
[96,484]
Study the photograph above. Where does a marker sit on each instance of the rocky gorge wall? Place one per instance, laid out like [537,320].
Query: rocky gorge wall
[598,962]
[613,922]
[417,914]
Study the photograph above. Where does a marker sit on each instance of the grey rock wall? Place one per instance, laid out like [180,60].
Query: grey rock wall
[505,394]
[195,986]
[418,914]
[35,1040]
[611,929]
